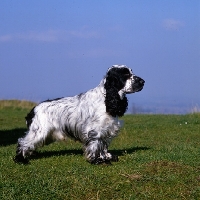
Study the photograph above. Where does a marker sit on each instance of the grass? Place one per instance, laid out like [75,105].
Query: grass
[159,158]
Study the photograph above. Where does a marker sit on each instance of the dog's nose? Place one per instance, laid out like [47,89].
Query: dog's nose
[139,80]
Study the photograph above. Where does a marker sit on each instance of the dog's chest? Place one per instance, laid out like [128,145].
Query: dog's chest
[113,125]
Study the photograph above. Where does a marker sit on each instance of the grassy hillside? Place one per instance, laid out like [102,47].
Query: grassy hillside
[159,158]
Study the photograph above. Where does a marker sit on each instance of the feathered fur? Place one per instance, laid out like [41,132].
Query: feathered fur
[116,105]
[91,117]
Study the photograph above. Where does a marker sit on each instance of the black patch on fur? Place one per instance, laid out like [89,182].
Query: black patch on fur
[31,114]
[49,100]
[30,117]
[115,81]
[80,95]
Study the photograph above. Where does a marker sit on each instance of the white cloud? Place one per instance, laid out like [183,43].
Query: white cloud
[172,24]
[46,36]
[50,35]
[5,38]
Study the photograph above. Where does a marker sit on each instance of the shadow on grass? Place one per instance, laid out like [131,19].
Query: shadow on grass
[120,152]
[9,137]
[48,154]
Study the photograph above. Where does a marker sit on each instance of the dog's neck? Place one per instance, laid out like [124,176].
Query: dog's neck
[102,89]
[122,94]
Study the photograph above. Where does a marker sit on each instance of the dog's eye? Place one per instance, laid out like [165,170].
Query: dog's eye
[127,75]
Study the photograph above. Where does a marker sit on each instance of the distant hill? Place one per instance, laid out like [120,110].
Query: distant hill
[17,103]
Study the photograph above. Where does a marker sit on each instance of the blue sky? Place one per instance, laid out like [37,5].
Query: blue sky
[58,48]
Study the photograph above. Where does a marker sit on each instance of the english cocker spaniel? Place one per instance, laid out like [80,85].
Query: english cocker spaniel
[91,117]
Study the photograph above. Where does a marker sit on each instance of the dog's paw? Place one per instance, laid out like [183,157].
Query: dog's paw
[100,161]
[114,158]
[20,160]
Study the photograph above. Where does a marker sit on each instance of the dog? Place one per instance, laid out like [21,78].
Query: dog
[90,117]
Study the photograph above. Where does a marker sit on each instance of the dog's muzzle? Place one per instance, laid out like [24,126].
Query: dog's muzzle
[138,84]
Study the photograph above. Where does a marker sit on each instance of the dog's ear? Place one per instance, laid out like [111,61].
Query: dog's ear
[117,77]
[115,106]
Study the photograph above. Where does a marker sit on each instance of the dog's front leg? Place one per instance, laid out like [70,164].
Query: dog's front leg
[96,150]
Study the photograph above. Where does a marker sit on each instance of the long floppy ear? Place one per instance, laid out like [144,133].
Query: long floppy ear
[115,106]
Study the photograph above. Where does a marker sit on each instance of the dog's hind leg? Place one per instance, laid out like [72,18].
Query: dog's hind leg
[33,139]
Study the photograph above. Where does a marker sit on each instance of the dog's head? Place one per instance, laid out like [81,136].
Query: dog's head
[123,79]
[120,81]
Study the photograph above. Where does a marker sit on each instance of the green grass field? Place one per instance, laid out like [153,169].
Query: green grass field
[159,158]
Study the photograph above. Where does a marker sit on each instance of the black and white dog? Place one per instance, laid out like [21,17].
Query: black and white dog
[91,117]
